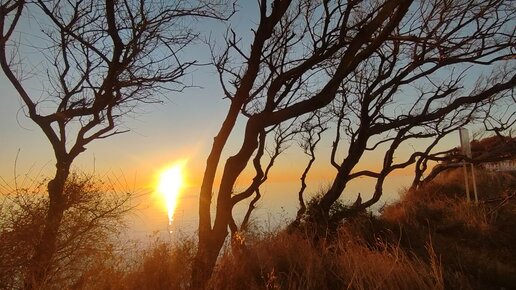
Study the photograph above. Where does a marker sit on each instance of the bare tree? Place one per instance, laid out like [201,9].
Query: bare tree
[99,61]
[282,135]
[274,87]
[311,136]
[398,94]
[397,69]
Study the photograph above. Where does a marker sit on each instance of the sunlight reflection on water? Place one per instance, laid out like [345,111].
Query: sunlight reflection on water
[277,206]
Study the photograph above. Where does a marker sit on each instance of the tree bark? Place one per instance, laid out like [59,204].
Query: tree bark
[355,152]
[211,241]
[205,253]
[206,258]
[41,261]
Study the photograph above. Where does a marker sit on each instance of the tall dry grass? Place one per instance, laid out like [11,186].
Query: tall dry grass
[430,239]
[475,241]
[278,260]
[293,261]
[159,265]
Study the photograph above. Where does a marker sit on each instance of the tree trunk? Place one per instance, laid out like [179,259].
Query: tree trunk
[209,248]
[207,251]
[211,241]
[41,261]
[355,152]
[206,258]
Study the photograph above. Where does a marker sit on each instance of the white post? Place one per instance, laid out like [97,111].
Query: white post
[474,183]
[466,182]
[466,150]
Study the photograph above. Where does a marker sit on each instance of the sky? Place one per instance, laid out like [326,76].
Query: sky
[159,133]
[181,128]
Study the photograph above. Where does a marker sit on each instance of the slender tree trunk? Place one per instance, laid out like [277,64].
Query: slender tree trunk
[339,184]
[207,253]
[206,256]
[41,261]
[209,247]
[211,242]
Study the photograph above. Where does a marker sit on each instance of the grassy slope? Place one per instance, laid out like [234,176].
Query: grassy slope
[476,243]
[431,239]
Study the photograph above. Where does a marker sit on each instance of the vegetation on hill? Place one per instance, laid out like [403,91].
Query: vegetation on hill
[474,242]
[431,239]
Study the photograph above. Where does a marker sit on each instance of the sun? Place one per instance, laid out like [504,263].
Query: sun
[171,181]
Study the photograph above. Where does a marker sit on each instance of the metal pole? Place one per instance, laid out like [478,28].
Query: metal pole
[474,182]
[468,199]
[466,150]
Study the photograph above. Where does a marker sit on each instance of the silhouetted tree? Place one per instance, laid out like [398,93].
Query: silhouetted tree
[391,71]
[98,60]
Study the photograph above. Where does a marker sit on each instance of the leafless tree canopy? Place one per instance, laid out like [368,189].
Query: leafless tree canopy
[382,73]
[96,61]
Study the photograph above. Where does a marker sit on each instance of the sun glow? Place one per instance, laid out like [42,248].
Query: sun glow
[169,186]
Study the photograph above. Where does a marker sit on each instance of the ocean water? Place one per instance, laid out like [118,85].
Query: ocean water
[277,206]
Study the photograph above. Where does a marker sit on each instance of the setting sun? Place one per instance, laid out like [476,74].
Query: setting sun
[170,184]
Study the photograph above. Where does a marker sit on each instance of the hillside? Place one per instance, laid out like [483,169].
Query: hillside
[430,239]
[475,243]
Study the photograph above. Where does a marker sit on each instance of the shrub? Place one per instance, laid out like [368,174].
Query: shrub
[88,230]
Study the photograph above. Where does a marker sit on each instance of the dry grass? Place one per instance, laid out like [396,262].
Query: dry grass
[161,265]
[275,261]
[164,266]
[291,261]
[474,241]
[431,239]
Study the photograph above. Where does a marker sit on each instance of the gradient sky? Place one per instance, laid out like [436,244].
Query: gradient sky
[182,127]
